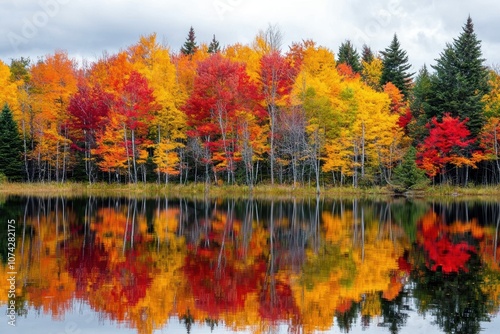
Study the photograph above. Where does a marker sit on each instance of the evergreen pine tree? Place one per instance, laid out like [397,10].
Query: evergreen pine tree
[460,81]
[419,104]
[214,46]
[348,55]
[367,54]
[407,175]
[190,46]
[395,67]
[11,146]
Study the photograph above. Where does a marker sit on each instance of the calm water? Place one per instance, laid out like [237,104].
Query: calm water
[103,265]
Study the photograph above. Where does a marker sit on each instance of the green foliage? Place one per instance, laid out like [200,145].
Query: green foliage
[190,46]
[19,69]
[10,146]
[460,81]
[407,214]
[367,54]
[419,103]
[329,259]
[214,46]
[348,55]
[396,66]
[407,175]
[455,301]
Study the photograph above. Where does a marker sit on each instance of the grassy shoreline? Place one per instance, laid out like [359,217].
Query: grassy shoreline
[229,191]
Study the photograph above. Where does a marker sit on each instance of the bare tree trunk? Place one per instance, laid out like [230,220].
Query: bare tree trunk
[496,149]
[126,150]
[363,150]
[133,157]
[25,153]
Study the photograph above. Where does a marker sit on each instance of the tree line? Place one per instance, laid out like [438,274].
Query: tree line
[248,114]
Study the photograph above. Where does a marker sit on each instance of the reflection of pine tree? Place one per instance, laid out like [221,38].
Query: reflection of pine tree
[348,318]
[188,321]
[455,300]
[394,311]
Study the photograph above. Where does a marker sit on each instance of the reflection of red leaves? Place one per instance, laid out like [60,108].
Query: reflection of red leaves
[278,304]
[403,265]
[94,273]
[344,305]
[442,252]
[447,255]
[219,286]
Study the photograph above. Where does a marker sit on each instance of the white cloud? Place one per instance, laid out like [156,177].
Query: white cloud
[87,28]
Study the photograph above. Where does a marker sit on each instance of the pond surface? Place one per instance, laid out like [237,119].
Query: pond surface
[106,265]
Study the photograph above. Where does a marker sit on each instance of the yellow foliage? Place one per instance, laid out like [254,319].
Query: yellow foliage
[8,89]
[372,72]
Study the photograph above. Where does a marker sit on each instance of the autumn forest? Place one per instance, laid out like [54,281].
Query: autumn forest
[256,113]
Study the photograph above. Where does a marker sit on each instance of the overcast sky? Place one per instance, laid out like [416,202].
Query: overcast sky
[87,28]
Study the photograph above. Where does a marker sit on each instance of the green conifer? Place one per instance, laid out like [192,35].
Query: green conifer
[348,55]
[11,146]
[395,67]
[214,46]
[190,46]
[460,81]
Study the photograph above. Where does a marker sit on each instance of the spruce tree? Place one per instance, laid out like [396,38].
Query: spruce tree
[395,67]
[419,105]
[190,46]
[460,81]
[367,54]
[214,46]
[407,175]
[349,56]
[11,146]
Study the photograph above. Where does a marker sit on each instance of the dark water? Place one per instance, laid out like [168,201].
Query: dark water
[103,265]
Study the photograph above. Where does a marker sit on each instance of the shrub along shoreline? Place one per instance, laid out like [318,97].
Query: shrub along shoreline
[231,191]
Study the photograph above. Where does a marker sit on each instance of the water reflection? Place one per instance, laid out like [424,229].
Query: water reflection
[307,265]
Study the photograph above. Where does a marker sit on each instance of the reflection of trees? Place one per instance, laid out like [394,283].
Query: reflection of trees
[455,300]
[450,276]
[307,263]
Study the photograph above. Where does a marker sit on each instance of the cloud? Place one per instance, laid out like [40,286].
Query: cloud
[85,29]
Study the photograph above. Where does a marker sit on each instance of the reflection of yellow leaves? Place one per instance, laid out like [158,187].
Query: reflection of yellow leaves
[371,306]
[317,305]
[166,224]
[162,297]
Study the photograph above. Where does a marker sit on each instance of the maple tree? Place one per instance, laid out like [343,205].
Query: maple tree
[490,141]
[169,122]
[448,142]
[54,81]
[8,88]
[135,107]
[222,89]
[277,77]
[88,110]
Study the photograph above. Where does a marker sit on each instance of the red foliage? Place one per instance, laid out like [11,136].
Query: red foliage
[277,75]
[448,256]
[94,272]
[217,285]
[88,110]
[137,102]
[405,119]
[442,252]
[222,89]
[278,304]
[398,105]
[447,143]
[346,71]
